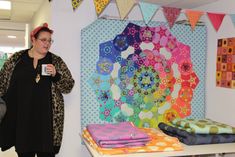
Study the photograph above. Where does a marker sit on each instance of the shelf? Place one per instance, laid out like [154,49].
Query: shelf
[188,151]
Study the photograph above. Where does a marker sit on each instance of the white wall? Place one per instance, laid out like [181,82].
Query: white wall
[220,102]
[42,15]
[67,26]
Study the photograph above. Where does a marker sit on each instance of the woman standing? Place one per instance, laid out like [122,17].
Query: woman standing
[32,84]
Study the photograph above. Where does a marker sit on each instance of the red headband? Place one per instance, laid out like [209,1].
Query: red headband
[37,29]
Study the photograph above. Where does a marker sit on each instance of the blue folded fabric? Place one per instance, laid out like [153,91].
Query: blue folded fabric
[196,139]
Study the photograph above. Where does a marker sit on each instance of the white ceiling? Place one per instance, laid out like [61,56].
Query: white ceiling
[13,22]
[22,10]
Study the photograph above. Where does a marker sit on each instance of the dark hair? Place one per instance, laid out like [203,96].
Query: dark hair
[43,29]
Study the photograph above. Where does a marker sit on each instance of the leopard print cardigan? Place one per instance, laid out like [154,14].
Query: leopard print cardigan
[63,86]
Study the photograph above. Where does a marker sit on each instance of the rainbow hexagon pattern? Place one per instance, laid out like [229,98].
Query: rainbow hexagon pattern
[144,75]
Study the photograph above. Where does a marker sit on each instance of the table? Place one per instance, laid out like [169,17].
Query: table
[215,149]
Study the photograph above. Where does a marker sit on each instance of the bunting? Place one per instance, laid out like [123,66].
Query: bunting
[76,3]
[193,17]
[232,16]
[148,10]
[216,20]
[171,14]
[100,5]
[124,7]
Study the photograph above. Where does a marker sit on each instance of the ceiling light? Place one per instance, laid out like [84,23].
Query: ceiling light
[5,5]
[11,36]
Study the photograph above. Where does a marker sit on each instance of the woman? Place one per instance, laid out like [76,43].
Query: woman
[35,108]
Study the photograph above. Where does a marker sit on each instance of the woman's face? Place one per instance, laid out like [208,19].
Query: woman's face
[42,43]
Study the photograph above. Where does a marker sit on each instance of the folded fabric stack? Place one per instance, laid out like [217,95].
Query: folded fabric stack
[199,131]
[117,135]
[124,137]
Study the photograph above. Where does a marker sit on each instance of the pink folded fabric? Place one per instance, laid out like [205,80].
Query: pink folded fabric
[123,134]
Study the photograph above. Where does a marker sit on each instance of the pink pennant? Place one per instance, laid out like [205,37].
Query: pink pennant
[216,20]
[171,14]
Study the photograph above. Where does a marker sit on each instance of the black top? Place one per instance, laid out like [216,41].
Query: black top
[33,129]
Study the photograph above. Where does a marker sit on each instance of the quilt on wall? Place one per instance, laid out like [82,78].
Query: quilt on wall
[130,72]
[225,68]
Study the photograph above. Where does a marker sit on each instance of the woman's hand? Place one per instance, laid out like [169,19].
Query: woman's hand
[51,69]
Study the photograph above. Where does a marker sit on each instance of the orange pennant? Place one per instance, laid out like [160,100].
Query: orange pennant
[193,17]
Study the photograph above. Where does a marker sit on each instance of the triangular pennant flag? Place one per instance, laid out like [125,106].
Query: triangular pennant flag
[171,14]
[232,16]
[148,10]
[216,20]
[124,7]
[193,17]
[76,3]
[100,5]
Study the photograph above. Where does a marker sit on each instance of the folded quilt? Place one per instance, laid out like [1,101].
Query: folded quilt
[203,126]
[123,143]
[122,134]
[159,142]
[196,139]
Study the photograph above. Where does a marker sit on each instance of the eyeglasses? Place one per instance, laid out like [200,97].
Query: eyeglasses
[44,40]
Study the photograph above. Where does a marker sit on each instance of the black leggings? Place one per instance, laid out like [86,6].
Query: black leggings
[32,154]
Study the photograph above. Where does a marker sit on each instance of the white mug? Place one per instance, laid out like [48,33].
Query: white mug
[44,70]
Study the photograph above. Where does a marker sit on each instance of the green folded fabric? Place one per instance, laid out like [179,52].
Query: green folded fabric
[203,126]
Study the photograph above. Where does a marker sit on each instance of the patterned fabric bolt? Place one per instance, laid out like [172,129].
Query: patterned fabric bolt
[159,142]
[203,126]
[196,139]
[117,135]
